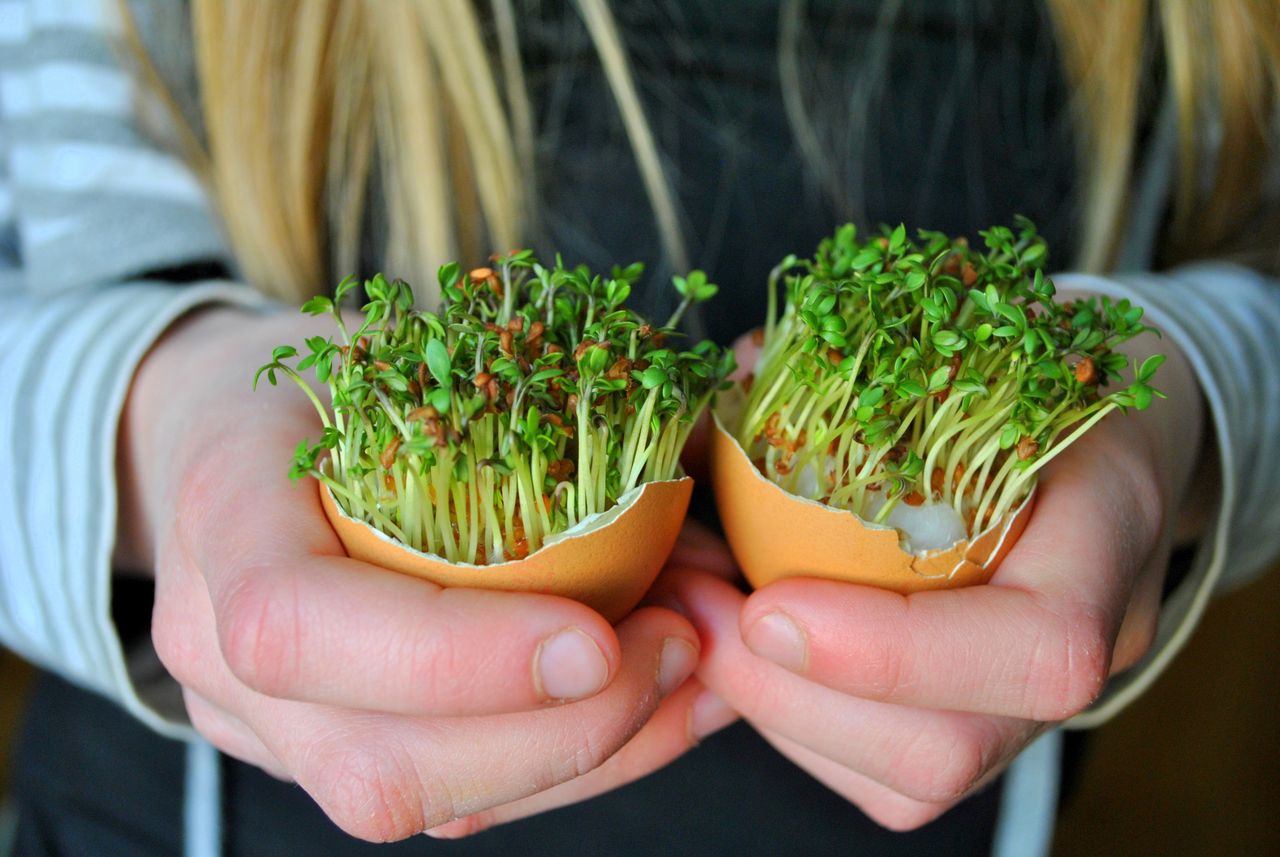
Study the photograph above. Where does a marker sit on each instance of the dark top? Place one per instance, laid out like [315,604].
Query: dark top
[956,123]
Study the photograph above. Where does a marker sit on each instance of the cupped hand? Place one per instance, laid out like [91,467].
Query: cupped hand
[397,705]
[905,705]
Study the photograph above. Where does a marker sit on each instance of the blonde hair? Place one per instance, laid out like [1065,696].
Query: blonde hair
[1222,70]
[313,108]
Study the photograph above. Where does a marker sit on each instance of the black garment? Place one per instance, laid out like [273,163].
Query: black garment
[967,126]
[963,125]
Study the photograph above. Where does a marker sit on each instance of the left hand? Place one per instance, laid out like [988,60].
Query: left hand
[906,705]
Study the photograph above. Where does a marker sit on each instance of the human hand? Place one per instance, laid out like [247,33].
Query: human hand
[397,705]
[906,705]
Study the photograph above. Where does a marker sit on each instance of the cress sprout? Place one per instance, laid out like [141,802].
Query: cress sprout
[531,400]
[921,371]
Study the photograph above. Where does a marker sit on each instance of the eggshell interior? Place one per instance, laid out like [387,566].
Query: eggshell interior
[607,561]
[776,534]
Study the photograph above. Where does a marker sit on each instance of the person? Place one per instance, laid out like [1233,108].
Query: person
[161,564]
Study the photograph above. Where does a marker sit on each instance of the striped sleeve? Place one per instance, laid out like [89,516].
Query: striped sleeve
[1226,320]
[91,215]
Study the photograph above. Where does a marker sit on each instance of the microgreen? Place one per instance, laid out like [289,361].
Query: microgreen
[924,370]
[532,399]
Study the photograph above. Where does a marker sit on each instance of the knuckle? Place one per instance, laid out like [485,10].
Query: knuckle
[174,643]
[258,631]
[589,748]
[374,794]
[904,816]
[589,752]
[885,666]
[941,765]
[1083,664]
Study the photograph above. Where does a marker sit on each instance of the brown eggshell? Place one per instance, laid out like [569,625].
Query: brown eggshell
[607,562]
[775,534]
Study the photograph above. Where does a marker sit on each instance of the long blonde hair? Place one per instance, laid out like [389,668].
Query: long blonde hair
[314,108]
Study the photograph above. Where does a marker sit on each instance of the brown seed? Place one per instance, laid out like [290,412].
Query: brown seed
[915,498]
[1027,447]
[516,325]
[425,414]
[561,470]
[388,456]
[482,380]
[534,338]
[620,370]
[506,342]
[1086,371]
[382,365]
[968,275]
[757,337]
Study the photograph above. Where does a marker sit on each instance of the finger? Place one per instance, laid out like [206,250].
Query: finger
[1138,630]
[691,714]
[1034,643]
[882,805]
[382,777]
[229,734]
[926,755]
[298,620]
[746,351]
[699,547]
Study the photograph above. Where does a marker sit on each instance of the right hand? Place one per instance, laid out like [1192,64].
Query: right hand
[397,705]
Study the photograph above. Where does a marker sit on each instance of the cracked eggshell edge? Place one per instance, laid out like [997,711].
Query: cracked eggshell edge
[607,561]
[775,534]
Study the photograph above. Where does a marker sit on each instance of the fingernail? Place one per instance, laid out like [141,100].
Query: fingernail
[709,713]
[569,665]
[777,638]
[675,664]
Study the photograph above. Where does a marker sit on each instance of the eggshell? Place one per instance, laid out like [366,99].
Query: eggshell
[776,534]
[608,561]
